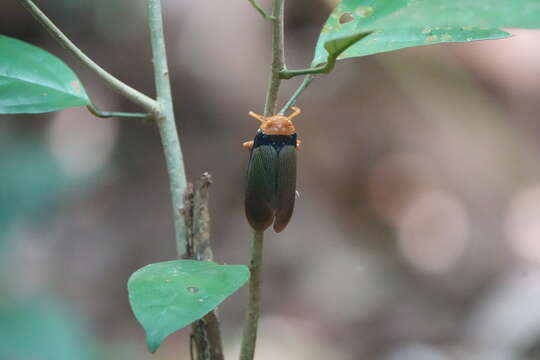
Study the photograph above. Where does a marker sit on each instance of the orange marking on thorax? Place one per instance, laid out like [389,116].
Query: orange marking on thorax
[277,124]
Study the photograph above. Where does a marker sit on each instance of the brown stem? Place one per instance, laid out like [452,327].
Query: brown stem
[206,333]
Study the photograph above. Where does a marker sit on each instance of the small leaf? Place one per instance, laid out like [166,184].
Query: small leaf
[379,16]
[167,296]
[34,81]
[335,46]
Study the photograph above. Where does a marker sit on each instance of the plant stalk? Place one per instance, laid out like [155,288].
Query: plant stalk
[303,86]
[322,69]
[278,58]
[166,123]
[111,114]
[337,48]
[249,338]
[260,10]
[125,90]
[206,335]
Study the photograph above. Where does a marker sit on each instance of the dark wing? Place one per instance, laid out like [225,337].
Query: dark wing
[286,187]
[261,187]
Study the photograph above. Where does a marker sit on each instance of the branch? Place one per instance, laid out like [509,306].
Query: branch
[206,336]
[307,81]
[108,114]
[278,59]
[132,94]
[166,123]
[249,337]
[322,69]
[261,10]
[335,48]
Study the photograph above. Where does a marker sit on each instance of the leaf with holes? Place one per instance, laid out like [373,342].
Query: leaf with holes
[34,81]
[465,13]
[388,33]
[167,296]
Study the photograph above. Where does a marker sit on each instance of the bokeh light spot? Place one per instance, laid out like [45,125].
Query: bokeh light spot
[522,224]
[433,231]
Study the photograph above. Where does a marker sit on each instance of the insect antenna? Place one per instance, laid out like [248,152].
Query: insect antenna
[257,116]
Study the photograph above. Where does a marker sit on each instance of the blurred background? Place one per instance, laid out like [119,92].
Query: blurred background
[416,235]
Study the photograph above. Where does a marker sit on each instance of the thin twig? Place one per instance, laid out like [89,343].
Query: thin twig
[187,213]
[195,235]
[307,81]
[109,114]
[125,90]
[278,59]
[322,69]
[261,10]
[334,48]
[166,123]
[201,220]
[249,337]
[206,336]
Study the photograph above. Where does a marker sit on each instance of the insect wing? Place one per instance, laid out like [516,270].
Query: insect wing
[286,187]
[261,187]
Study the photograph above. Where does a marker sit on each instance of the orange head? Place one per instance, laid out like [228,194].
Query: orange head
[277,124]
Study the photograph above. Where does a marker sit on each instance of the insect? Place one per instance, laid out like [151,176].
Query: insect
[271,175]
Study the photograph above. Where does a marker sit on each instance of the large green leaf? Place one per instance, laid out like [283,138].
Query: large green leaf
[490,13]
[168,296]
[381,17]
[34,81]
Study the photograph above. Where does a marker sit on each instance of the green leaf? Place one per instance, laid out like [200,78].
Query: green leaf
[389,33]
[34,81]
[492,14]
[167,296]
[335,46]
